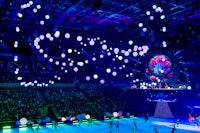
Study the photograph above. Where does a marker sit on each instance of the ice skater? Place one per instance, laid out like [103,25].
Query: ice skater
[155,130]
[135,124]
[117,126]
[146,117]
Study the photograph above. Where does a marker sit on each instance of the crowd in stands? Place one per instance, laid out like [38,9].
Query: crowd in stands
[19,102]
[16,103]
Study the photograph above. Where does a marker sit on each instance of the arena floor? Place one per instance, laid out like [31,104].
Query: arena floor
[125,126]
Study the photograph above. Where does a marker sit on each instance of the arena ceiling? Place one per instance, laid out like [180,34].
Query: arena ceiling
[154,23]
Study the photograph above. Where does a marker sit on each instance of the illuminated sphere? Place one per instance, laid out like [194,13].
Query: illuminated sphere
[102,81]
[87,78]
[104,47]
[114,73]
[115,114]
[116,50]
[47,17]
[41,50]
[108,70]
[79,38]
[140,24]
[67,35]
[87,116]
[135,54]
[75,69]
[126,53]
[45,55]
[42,22]
[69,50]
[130,42]
[63,119]
[34,10]
[41,37]
[92,42]
[63,55]
[63,64]
[48,35]
[23,121]
[57,62]
[57,34]
[151,17]
[95,76]
[126,61]
[50,60]
[94,59]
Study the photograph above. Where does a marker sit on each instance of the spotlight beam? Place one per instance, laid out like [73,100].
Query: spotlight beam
[135,60]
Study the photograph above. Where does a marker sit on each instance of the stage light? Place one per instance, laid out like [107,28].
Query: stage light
[59,78]
[19,78]
[101,56]
[94,58]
